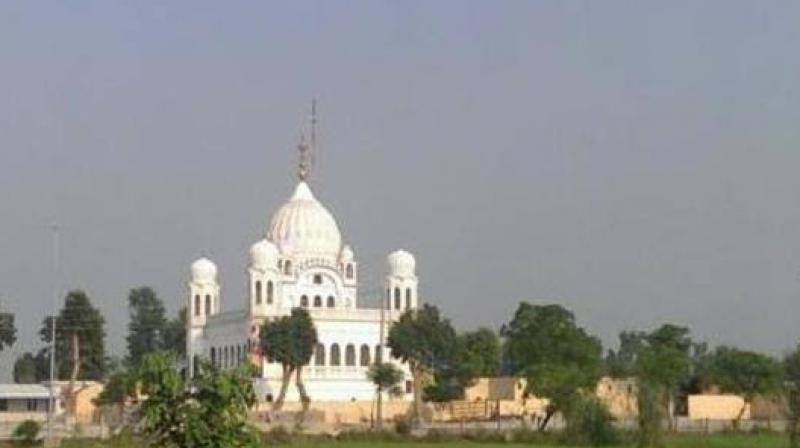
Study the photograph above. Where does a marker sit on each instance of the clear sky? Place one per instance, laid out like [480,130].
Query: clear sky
[635,161]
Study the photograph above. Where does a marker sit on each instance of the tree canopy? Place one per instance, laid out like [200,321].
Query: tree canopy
[80,334]
[25,369]
[210,410]
[558,358]
[425,340]
[146,328]
[290,341]
[385,377]
[481,352]
[8,331]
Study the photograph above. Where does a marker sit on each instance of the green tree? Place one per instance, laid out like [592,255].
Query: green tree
[663,364]
[481,352]
[80,339]
[290,341]
[385,376]
[744,373]
[25,369]
[559,359]
[452,373]
[8,331]
[209,411]
[791,369]
[622,362]
[119,386]
[175,334]
[147,324]
[421,338]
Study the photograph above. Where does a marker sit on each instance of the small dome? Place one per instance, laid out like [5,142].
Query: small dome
[263,254]
[401,263]
[204,270]
[347,254]
[303,226]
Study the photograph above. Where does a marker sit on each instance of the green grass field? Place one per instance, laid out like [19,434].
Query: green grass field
[764,440]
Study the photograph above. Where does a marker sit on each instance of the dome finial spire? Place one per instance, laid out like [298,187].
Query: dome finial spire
[307,149]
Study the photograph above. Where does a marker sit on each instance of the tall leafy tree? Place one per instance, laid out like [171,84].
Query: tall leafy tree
[290,341]
[385,377]
[663,364]
[621,363]
[175,334]
[481,352]
[559,358]
[147,324]
[791,371]
[80,339]
[8,331]
[423,339]
[744,373]
[25,369]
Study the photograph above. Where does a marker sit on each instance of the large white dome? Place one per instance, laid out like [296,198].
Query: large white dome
[304,227]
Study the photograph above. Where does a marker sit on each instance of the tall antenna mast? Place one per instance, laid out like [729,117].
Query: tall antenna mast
[307,149]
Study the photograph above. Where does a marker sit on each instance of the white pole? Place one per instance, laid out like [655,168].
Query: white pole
[52,401]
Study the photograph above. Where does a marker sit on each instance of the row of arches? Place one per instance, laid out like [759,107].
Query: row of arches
[198,305]
[334,358]
[229,356]
[398,298]
[330,302]
[260,293]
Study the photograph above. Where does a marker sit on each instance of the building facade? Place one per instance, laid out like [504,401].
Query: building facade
[302,262]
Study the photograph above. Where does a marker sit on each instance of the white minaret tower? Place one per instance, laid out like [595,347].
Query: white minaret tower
[264,279]
[203,302]
[401,284]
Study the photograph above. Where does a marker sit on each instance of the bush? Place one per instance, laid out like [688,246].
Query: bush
[402,426]
[27,432]
[589,422]
[277,435]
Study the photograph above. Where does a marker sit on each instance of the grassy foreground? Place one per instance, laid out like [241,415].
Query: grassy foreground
[762,440]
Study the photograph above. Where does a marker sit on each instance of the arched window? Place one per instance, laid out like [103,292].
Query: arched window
[287,267]
[350,355]
[349,270]
[408,298]
[208,304]
[317,279]
[331,302]
[258,292]
[224,357]
[213,356]
[238,354]
[364,355]
[397,298]
[270,292]
[304,301]
[197,306]
[317,302]
[336,358]
[378,354]
[319,355]
[195,364]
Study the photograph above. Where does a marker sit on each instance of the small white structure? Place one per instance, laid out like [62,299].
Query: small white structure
[19,402]
[302,262]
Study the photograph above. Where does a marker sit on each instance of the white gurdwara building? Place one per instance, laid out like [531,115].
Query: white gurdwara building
[302,262]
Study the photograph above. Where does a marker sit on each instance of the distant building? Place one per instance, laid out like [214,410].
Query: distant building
[303,262]
[19,402]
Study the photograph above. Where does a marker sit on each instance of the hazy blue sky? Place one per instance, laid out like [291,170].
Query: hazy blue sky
[635,161]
